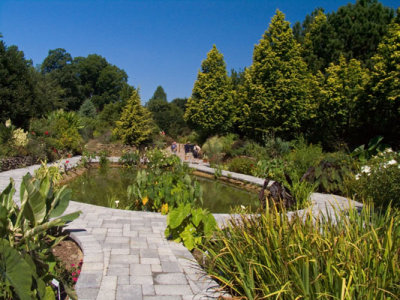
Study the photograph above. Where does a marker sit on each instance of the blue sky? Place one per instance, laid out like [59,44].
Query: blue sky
[155,42]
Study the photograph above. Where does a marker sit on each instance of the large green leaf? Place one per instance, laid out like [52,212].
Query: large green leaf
[35,207]
[15,270]
[188,237]
[60,202]
[176,216]
[197,216]
[6,196]
[209,224]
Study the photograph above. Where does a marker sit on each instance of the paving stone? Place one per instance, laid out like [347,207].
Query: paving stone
[120,251]
[149,261]
[126,259]
[138,269]
[162,297]
[129,292]
[156,268]
[148,253]
[123,280]
[172,289]
[87,293]
[117,271]
[170,278]
[148,290]
[140,279]
[89,280]
[170,267]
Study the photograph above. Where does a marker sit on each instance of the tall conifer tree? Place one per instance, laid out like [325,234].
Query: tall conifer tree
[277,92]
[136,124]
[210,109]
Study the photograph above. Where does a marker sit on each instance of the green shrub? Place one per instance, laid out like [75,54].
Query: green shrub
[249,148]
[189,225]
[131,158]
[302,157]
[243,165]
[331,173]
[275,146]
[274,256]
[213,149]
[378,181]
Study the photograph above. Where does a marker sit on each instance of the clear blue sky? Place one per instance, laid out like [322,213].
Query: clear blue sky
[156,42]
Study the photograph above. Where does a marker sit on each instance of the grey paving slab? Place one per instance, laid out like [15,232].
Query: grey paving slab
[126,255]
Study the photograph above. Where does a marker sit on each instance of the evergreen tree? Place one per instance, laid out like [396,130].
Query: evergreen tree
[159,94]
[277,91]
[341,103]
[210,109]
[384,104]
[353,31]
[88,109]
[136,124]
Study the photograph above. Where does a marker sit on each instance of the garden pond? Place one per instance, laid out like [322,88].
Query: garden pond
[109,188]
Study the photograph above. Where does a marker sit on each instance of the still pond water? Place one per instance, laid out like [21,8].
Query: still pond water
[101,188]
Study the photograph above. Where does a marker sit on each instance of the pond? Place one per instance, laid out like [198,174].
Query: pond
[102,188]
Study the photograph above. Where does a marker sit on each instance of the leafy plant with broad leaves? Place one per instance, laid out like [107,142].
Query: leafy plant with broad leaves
[27,264]
[190,225]
[374,147]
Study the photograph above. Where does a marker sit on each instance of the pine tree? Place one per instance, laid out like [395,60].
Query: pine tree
[210,109]
[87,109]
[136,124]
[277,91]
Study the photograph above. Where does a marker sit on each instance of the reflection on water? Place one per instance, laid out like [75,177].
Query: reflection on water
[99,188]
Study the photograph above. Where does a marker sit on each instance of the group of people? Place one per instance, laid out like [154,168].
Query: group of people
[195,149]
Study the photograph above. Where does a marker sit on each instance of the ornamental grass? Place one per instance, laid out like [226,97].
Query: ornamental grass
[345,255]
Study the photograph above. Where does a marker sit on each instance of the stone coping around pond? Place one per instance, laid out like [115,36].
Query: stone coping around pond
[126,255]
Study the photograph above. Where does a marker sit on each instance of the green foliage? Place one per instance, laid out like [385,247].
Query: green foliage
[378,181]
[276,256]
[277,92]
[331,173]
[341,102]
[171,187]
[302,157]
[213,149]
[87,109]
[130,159]
[353,31]
[27,263]
[190,225]
[135,124]
[16,87]
[243,165]
[210,109]
[374,147]
[384,104]
[103,160]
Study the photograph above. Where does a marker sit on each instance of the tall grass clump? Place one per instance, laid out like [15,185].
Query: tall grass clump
[308,257]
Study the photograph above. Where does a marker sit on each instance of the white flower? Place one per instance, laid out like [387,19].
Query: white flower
[366,169]
[358,176]
[242,207]
[388,150]
[8,123]
[391,162]
[116,203]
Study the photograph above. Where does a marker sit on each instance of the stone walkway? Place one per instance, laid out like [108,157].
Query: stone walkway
[126,255]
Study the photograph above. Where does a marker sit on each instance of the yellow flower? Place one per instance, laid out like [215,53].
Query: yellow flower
[145,200]
[164,209]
